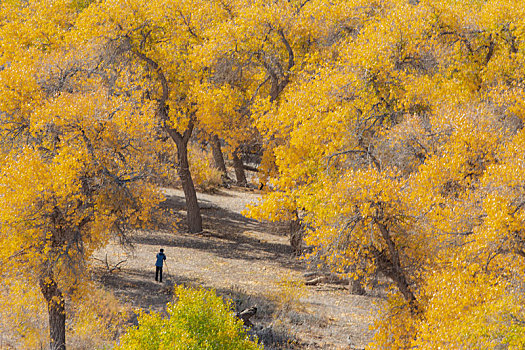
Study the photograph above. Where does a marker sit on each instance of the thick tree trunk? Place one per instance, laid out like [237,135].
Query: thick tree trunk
[240,175]
[218,157]
[193,210]
[57,313]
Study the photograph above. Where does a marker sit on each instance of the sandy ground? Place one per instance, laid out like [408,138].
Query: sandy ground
[245,260]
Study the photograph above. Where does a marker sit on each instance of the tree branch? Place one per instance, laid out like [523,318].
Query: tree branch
[288,48]
[162,107]
[187,23]
[397,273]
[353,151]
[250,168]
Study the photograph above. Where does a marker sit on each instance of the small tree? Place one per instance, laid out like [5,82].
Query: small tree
[198,320]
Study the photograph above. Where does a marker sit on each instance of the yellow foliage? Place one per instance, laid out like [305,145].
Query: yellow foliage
[23,322]
[207,178]
[402,145]
[469,309]
[74,160]
[96,319]
[394,126]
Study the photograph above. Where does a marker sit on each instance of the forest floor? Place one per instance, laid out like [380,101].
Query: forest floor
[247,261]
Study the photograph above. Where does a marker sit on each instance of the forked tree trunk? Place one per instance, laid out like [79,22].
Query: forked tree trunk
[218,158]
[57,313]
[240,175]
[193,210]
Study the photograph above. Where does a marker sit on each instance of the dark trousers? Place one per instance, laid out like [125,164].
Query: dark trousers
[158,273]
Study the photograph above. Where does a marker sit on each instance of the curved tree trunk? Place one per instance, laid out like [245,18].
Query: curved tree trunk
[57,313]
[181,140]
[239,169]
[218,158]
[391,266]
[183,168]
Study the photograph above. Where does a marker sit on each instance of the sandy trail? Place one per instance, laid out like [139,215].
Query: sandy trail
[245,260]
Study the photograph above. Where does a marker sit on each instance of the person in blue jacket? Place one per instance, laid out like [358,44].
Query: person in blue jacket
[160,262]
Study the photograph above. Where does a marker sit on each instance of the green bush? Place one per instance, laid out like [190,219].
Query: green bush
[198,320]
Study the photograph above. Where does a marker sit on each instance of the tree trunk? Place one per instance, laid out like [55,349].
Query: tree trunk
[239,169]
[218,157]
[181,140]
[192,206]
[356,286]
[393,269]
[57,313]
[296,234]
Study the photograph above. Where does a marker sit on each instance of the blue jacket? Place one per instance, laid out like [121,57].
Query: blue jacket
[160,259]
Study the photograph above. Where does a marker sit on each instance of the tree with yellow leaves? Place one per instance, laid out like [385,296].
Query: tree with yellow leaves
[394,127]
[404,170]
[253,56]
[74,164]
[156,59]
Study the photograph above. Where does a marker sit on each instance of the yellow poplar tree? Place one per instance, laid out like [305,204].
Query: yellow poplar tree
[155,58]
[254,54]
[397,149]
[74,157]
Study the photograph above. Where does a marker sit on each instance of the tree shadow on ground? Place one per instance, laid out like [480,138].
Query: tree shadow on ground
[243,260]
[139,288]
[224,234]
[211,211]
[229,246]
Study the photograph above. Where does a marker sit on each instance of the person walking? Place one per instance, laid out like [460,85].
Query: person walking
[158,264]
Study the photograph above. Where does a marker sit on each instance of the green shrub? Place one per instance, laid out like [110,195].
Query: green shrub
[198,320]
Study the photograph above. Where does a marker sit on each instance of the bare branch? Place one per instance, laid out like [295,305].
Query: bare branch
[250,168]
[465,233]
[353,151]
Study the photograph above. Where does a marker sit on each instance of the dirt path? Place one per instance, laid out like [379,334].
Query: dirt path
[248,261]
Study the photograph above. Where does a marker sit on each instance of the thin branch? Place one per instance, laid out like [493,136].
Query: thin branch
[353,151]
[250,168]
[518,207]
[465,233]
[187,23]
[256,92]
[21,252]
[301,5]
[288,48]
